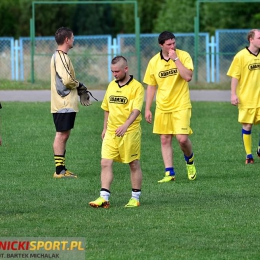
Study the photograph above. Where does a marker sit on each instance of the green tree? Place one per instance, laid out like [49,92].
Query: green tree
[9,15]
[229,16]
[93,19]
[48,18]
[147,13]
[175,16]
[155,16]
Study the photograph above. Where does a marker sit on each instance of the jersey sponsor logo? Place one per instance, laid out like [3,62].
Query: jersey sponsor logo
[254,66]
[118,99]
[167,73]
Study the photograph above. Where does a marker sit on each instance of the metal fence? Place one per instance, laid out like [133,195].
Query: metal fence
[91,55]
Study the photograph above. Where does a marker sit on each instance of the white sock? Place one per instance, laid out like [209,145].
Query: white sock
[136,194]
[105,195]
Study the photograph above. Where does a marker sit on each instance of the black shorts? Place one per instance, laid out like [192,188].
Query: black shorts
[64,121]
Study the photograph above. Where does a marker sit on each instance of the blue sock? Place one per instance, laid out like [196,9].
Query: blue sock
[189,159]
[170,170]
[249,156]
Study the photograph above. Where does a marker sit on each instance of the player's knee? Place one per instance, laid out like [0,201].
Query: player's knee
[183,140]
[166,139]
[106,163]
[134,165]
[61,138]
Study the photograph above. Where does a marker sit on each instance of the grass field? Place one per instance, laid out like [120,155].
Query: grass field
[215,217]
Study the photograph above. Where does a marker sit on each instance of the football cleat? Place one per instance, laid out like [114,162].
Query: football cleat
[99,203]
[258,152]
[249,161]
[132,203]
[65,174]
[167,179]
[191,170]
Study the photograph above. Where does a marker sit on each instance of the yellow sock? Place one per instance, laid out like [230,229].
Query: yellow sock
[247,140]
[59,163]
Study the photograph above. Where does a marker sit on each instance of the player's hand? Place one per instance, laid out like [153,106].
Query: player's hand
[103,133]
[172,54]
[148,116]
[83,94]
[121,130]
[234,100]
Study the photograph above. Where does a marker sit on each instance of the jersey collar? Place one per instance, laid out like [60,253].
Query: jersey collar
[120,86]
[162,58]
[252,52]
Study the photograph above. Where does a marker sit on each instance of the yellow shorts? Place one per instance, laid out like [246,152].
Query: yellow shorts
[122,149]
[249,115]
[173,123]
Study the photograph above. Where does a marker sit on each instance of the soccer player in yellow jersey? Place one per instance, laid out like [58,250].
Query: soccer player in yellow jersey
[245,89]
[170,70]
[121,133]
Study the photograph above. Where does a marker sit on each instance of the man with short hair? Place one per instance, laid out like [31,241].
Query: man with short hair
[170,70]
[121,133]
[64,98]
[245,89]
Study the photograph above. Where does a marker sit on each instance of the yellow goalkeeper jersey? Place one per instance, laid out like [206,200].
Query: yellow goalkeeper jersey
[120,102]
[172,90]
[64,96]
[246,68]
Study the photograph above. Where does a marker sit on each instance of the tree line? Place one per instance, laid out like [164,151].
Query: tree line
[97,19]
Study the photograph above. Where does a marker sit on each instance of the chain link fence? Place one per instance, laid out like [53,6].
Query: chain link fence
[228,43]
[7,58]
[91,55]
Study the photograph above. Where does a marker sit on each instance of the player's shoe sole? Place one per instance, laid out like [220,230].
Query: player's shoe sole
[99,203]
[65,174]
[132,203]
[191,170]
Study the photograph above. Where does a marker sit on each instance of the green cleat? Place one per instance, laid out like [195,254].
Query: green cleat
[132,203]
[192,174]
[167,178]
[65,174]
[99,203]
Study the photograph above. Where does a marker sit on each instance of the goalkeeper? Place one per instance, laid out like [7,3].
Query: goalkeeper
[65,90]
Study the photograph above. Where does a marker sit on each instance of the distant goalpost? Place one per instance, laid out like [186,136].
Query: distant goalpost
[137,27]
[196,26]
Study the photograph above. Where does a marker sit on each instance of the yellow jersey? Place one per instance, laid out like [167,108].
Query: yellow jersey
[246,68]
[172,90]
[120,102]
